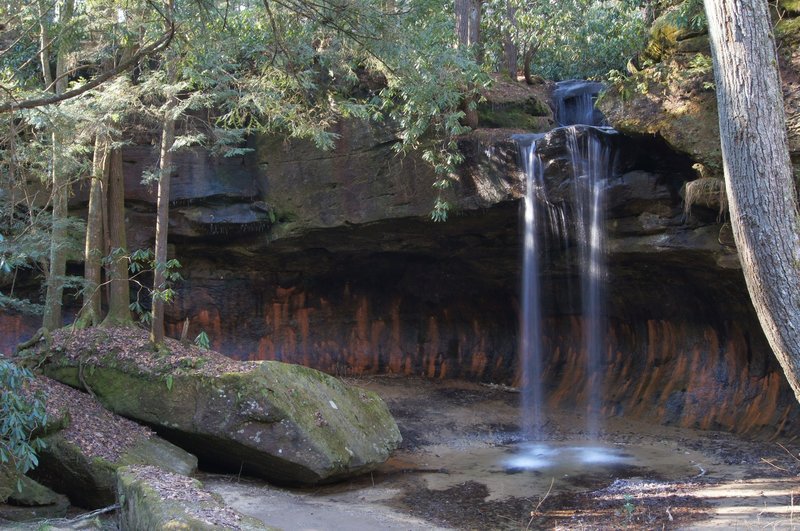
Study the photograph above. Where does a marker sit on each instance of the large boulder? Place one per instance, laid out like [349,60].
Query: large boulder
[286,423]
[155,500]
[81,459]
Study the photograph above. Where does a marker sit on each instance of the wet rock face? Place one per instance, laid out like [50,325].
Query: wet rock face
[345,273]
[406,296]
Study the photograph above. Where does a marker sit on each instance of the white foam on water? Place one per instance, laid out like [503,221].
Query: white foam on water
[539,456]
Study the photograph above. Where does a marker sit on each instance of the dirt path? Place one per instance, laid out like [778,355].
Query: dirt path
[462,466]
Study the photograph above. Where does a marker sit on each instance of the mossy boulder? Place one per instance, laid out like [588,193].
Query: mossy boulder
[155,500]
[286,423]
[674,101]
[8,481]
[530,115]
[81,458]
[675,98]
[670,33]
[33,501]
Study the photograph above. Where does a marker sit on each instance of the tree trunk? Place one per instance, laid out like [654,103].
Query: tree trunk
[58,236]
[119,312]
[58,252]
[162,220]
[510,52]
[93,249]
[468,19]
[44,45]
[468,24]
[758,171]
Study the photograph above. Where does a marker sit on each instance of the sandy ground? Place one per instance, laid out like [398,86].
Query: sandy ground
[462,466]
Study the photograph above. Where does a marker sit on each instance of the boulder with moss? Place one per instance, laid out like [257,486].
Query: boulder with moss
[32,501]
[286,423]
[152,499]
[86,444]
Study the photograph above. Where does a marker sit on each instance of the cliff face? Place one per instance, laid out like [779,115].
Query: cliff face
[329,259]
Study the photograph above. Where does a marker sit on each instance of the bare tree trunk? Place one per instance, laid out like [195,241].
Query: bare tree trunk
[510,52]
[468,19]
[758,171]
[468,24]
[94,249]
[58,253]
[162,219]
[119,312]
[44,44]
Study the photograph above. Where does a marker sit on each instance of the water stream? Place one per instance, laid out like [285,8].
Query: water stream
[575,224]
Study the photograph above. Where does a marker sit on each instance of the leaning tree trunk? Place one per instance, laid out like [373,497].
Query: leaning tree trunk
[758,171]
[119,312]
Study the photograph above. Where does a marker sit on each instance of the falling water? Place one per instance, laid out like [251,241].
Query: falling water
[540,215]
[591,165]
[574,100]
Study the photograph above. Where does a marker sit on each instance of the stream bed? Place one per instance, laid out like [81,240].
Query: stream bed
[462,465]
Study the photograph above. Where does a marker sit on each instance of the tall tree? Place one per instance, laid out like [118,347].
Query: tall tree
[164,180]
[119,312]
[95,223]
[61,183]
[758,171]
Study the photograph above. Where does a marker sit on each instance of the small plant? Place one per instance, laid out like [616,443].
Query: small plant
[628,507]
[143,261]
[21,416]
[202,340]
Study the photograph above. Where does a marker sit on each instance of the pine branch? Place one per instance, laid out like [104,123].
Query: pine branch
[155,47]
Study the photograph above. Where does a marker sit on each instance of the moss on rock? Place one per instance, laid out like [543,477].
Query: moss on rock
[154,500]
[287,423]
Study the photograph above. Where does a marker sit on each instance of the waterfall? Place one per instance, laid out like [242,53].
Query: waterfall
[574,103]
[591,167]
[577,222]
[540,214]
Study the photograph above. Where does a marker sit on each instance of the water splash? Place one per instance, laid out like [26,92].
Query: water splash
[538,456]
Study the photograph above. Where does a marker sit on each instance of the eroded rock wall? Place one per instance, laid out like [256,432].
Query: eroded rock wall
[330,260]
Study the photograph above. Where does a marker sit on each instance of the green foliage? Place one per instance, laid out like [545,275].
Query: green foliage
[142,263]
[568,39]
[628,507]
[20,416]
[202,340]
[691,15]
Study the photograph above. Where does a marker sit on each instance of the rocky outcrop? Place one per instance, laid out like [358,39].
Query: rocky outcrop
[675,98]
[86,444]
[329,259]
[155,500]
[286,423]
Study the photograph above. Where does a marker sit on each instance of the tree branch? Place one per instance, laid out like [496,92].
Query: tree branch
[155,47]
